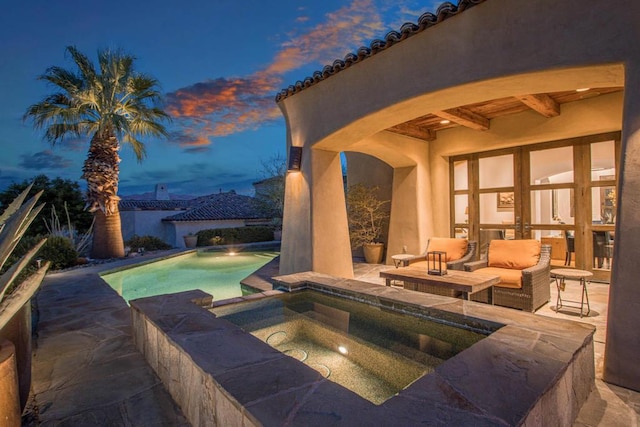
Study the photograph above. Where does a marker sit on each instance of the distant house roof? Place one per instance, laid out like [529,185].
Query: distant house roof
[156,205]
[220,206]
[426,20]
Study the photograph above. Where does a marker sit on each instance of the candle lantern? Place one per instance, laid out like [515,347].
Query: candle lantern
[436,263]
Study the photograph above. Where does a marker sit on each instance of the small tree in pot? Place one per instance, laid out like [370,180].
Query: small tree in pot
[367,218]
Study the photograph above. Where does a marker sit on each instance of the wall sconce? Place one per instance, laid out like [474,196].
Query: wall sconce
[435,260]
[295,159]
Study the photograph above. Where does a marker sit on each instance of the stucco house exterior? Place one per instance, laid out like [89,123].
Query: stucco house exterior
[170,220]
[470,104]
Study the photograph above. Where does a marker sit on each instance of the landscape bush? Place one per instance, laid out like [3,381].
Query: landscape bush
[149,243]
[230,236]
[60,252]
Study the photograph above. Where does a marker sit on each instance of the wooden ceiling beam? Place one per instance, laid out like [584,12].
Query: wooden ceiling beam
[541,103]
[465,117]
[413,131]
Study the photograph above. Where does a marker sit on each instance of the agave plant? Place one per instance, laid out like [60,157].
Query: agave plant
[14,221]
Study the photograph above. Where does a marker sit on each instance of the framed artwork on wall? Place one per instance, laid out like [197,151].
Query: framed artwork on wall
[506,200]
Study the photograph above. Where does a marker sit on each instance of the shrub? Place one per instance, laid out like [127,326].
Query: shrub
[149,243]
[229,236]
[60,252]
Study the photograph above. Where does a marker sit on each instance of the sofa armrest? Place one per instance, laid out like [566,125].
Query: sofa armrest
[538,277]
[469,256]
[473,266]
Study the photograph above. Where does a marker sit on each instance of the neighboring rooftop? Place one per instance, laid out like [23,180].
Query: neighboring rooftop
[220,206]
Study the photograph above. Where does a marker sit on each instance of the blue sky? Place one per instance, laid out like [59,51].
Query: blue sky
[220,64]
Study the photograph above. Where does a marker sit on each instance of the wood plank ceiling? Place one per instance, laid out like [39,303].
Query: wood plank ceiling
[478,116]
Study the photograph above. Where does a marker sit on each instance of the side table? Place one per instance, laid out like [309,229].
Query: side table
[561,274]
[401,260]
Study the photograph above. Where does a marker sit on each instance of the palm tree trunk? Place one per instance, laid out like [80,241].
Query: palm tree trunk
[102,174]
[107,236]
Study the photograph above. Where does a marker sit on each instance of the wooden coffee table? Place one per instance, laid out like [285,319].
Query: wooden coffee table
[452,284]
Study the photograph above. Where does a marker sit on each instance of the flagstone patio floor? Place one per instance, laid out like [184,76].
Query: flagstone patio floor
[87,371]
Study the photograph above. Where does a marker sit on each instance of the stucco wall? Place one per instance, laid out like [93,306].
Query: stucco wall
[146,223]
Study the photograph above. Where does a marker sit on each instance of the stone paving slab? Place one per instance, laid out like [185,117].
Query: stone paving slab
[86,369]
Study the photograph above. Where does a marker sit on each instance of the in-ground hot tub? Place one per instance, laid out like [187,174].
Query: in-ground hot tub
[531,370]
[371,351]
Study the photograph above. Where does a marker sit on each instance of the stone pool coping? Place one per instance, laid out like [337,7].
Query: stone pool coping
[531,371]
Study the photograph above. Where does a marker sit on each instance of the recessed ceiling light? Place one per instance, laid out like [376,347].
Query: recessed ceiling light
[445,122]
[583,89]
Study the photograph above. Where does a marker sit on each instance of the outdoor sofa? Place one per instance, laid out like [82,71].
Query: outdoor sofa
[524,270]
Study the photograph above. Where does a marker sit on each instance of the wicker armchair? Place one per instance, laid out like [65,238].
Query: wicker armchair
[456,264]
[535,290]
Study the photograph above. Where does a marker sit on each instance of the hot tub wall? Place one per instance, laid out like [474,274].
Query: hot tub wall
[201,398]
[533,371]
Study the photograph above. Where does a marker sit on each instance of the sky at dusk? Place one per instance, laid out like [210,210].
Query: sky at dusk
[220,64]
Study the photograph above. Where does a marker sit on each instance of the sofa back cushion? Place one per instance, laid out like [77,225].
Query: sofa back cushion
[455,248]
[515,254]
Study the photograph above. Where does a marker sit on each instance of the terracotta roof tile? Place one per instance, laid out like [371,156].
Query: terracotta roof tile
[426,20]
[220,207]
[160,205]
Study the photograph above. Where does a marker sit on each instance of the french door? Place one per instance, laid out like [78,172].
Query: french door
[562,193]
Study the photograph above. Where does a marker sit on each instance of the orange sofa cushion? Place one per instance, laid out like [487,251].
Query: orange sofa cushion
[509,278]
[514,254]
[455,248]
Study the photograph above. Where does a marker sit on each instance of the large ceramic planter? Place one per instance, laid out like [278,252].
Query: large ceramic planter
[10,396]
[190,241]
[373,252]
[16,328]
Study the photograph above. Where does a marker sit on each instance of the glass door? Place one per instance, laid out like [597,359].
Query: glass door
[562,193]
[551,202]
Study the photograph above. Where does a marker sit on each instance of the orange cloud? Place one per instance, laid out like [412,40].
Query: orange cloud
[224,106]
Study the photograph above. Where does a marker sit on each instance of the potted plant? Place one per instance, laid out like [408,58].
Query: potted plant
[367,217]
[190,240]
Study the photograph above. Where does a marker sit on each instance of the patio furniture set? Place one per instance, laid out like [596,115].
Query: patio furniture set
[512,273]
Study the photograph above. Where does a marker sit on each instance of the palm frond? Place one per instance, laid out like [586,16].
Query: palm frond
[86,68]
[65,79]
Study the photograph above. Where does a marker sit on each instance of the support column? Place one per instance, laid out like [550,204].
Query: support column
[623,339]
[330,230]
[409,220]
[296,245]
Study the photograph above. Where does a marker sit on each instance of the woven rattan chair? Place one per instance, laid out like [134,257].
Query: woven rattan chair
[457,264]
[535,290]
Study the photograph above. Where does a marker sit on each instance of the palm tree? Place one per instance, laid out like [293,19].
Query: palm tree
[111,103]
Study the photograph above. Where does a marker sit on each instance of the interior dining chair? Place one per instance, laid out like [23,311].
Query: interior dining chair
[571,246]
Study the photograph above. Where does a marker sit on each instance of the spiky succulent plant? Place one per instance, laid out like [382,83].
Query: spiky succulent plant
[14,222]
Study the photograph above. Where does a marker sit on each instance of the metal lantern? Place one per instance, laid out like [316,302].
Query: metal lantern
[435,260]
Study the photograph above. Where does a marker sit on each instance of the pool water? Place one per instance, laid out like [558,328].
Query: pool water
[217,273]
[370,351]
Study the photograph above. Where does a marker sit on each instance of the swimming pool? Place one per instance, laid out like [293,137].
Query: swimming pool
[217,273]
